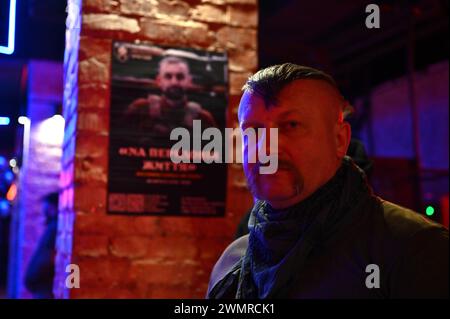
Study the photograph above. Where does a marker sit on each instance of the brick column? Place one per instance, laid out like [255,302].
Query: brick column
[151,256]
[67,179]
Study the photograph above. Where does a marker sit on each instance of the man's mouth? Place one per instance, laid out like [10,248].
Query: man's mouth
[174,93]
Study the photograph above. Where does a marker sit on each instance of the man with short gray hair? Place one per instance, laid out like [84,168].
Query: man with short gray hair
[316,228]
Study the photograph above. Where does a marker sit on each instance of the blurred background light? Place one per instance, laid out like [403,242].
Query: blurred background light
[51,130]
[429,211]
[9,176]
[4,207]
[12,192]
[4,120]
[23,120]
[13,162]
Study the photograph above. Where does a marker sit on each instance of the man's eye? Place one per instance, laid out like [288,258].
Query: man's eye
[291,125]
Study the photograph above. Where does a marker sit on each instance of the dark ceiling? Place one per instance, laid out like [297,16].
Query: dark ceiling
[331,35]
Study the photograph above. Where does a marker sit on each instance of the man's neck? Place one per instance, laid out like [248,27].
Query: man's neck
[285,204]
[173,105]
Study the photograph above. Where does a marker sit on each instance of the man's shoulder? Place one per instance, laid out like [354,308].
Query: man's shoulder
[193,106]
[420,269]
[197,112]
[231,255]
[406,223]
[144,104]
[154,98]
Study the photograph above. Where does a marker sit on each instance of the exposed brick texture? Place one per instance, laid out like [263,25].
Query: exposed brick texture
[152,256]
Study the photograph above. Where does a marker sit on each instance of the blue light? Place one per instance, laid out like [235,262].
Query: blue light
[4,120]
[9,176]
[4,205]
[11,30]
[4,208]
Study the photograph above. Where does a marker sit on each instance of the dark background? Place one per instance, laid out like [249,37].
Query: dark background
[331,35]
[4,22]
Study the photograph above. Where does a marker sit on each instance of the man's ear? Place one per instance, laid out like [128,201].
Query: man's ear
[343,136]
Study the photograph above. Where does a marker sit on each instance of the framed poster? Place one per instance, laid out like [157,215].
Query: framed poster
[155,90]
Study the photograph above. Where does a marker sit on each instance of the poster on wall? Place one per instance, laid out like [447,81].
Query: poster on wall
[154,91]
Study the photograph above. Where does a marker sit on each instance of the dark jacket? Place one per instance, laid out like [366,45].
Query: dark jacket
[410,251]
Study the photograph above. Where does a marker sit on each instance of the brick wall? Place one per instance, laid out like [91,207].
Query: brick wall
[140,257]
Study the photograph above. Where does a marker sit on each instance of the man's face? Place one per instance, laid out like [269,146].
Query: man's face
[173,79]
[311,140]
